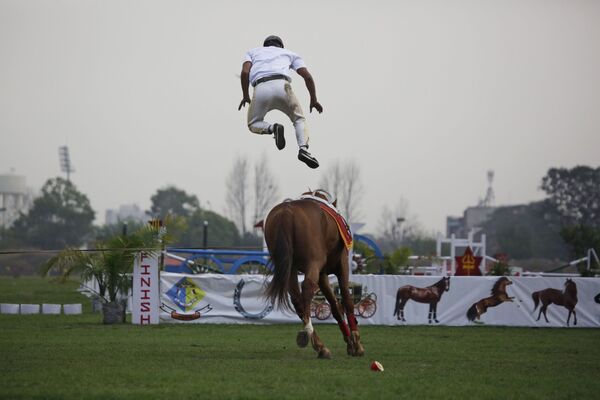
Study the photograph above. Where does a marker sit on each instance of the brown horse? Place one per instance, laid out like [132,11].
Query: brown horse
[498,296]
[431,294]
[567,299]
[301,237]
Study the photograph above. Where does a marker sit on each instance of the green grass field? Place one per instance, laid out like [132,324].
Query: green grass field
[49,356]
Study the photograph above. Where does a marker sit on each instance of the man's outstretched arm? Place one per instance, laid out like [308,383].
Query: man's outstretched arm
[310,85]
[245,79]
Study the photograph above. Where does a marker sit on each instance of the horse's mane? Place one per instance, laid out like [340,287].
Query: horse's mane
[496,288]
[441,282]
[570,287]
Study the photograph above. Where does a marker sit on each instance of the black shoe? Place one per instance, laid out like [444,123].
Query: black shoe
[308,159]
[279,137]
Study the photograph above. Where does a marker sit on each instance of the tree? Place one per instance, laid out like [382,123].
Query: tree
[342,180]
[393,225]
[109,230]
[265,189]
[173,201]
[332,179]
[526,231]
[221,232]
[420,243]
[62,216]
[575,193]
[580,238]
[237,193]
[396,260]
[263,192]
[397,227]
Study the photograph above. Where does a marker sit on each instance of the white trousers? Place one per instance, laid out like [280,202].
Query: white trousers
[276,95]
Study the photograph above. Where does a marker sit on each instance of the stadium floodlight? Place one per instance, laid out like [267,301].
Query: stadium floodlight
[65,161]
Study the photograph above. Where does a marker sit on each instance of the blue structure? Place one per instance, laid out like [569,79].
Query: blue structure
[369,242]
[230,261]
[225,261]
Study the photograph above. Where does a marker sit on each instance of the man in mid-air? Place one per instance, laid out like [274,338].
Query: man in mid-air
[267,68]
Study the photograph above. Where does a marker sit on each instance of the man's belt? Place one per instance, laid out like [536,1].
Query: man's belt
[271,78]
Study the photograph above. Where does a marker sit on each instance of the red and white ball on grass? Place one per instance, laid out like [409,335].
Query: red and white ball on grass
[376,366]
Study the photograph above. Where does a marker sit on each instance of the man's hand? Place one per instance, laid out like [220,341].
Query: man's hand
[243,102]
[317,106]
[245,81]
[310,85]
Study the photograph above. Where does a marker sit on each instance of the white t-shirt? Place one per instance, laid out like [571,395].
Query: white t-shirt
[272,60]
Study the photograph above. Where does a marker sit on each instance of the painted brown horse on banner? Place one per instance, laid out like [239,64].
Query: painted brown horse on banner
[301,237]
[430,294]
[498,296]
[567,299]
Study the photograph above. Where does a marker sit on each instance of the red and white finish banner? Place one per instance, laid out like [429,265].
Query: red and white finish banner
[393,300]
[145,292]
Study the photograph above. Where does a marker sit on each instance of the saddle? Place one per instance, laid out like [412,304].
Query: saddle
[328,204]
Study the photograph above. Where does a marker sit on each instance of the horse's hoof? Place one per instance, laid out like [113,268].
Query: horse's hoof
[356,351]
[350,349]
[302,339]
[360,350]
[324,353]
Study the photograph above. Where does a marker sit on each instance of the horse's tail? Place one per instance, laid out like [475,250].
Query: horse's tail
[397,308]
[472,312]
[281,250]
[536,299]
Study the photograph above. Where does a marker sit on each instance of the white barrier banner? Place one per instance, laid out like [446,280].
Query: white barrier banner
[393,300]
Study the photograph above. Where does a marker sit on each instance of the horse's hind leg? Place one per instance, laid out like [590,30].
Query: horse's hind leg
[355,347]
[309,287]
[298,302]
[296,296]
[308,290]
[402,304]
[543,311]
[319,346]
[335,306]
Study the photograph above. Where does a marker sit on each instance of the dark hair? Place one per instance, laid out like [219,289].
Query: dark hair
[273,41]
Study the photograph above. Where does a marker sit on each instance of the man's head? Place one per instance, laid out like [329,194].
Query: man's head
[273,41]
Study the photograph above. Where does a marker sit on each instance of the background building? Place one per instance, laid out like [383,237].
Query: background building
[126,212]
[14,198]
[473,217]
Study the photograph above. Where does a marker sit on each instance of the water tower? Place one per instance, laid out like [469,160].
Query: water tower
[490,197]
[13,198]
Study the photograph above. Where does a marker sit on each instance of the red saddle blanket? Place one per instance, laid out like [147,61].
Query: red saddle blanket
[343,226]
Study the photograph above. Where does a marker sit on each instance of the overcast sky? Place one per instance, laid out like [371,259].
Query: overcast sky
[425,96]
